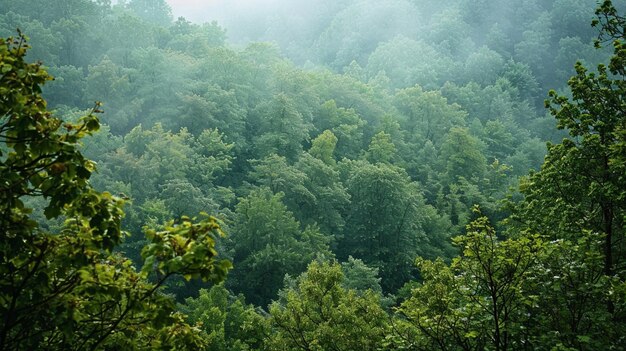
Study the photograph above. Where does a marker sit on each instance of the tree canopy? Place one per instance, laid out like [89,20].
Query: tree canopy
[387,173]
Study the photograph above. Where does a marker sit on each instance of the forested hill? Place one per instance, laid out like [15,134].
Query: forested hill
[374,172]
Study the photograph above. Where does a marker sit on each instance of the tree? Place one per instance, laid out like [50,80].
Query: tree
[44,40]
[580,194]
[462,155]
[329,196]
[480,301]
[483,66]
[381,149]
[427,115]
[386,221]
[68,290]
[208,106]
[62,91]
[346,125]
[275,173]
[194,39]
[352,34]
[279,128]
[449,31]
[574,18]
[323,147]
[268,243]
[320,314]
[408,62]
[535,45]
[212,158]
[226,321]
[436,315]
[358,276]
[107,81]
[568,293]
[581,185]
[157,11]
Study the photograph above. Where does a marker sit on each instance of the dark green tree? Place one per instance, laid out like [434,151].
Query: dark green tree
[279,128]
[269,243]
[386,221]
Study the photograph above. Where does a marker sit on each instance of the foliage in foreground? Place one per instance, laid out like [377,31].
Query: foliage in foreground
[68,290]
[559,281]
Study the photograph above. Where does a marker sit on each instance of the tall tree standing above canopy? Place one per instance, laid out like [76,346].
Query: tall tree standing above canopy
[581,187]
[67,290]
[531,292]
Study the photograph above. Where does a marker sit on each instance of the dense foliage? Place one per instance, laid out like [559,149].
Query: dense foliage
[66,289]
[364,167]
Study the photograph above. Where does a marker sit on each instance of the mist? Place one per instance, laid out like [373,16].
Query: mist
[336,33]
[223,11]
[269,175]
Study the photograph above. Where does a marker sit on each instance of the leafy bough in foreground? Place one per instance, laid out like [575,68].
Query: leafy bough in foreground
[67,289]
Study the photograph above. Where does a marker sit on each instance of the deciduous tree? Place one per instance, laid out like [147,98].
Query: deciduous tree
[68,290]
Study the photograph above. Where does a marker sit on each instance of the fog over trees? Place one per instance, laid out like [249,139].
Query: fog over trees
[312,175]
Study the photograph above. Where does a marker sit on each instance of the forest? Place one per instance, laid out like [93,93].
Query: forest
[317,175]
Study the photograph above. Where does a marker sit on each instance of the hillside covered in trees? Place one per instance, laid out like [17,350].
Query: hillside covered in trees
[323,175]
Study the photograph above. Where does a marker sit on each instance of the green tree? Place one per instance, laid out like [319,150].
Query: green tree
[186,172]
[196,39]
[448,30]
[320,314]
[107,81]
[462,155]
[209,106]
[157,11]
[436,315]
[579,193]
[346,125]
[480,301]
[427,115]
[268,243]
[329,196]
[535,45]
[62,91]
[275,173]
[381,149]
[114,29]
[352,35]
[581,185]
[212,158]
[67,290]
[44,40]
[483,66]
[407,62]
[569,291]
[574,18]
[227,323]
[386,221]
[280,128]
[358,276]
[323,147]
